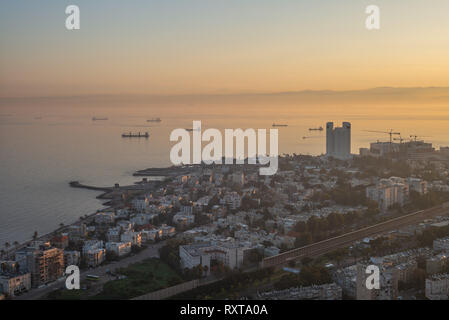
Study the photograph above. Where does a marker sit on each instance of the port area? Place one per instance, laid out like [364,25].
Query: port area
[113,194]
[163,172]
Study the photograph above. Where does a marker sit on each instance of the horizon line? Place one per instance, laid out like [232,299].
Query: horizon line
[174,95]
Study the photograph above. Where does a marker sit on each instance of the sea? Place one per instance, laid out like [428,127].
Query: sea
[44,146]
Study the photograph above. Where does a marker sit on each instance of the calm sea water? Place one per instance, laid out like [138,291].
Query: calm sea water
[42,149]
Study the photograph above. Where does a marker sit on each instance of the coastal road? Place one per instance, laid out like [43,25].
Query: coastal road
[152,251]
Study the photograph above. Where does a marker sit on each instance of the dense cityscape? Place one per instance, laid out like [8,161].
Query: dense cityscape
[224,231]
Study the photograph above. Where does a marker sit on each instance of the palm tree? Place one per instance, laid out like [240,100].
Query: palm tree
[16,243]
[7,245]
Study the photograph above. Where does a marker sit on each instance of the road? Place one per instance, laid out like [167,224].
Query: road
[152,251]
[326,246]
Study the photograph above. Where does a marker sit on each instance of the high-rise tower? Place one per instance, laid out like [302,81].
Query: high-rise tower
[338,141]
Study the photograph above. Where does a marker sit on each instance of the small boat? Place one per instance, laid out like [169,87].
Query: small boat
[154,120]
[279,125]
[190,129]
[99,118]
[316,129]
[136,135]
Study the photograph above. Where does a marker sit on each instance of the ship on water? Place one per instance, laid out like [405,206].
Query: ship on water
[136,135]
[316,129]
[154,120]
[99,118]
[279,125]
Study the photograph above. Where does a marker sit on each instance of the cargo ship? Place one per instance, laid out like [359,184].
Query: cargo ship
[99,118]
[279,125]
[316,129]
[154,120]
[136,135]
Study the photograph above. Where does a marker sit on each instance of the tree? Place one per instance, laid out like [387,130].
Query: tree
[35,235]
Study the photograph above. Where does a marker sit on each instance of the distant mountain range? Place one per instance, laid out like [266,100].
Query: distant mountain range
[380,94]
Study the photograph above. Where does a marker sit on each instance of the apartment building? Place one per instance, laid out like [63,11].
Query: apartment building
[12,284]
[45,264]
[388,192]
[72,258]
[437,287]
[119,248]
[441,244]
[95,257]
[131,236]
[229,254]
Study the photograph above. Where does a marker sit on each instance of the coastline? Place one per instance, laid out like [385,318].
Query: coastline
[107,193]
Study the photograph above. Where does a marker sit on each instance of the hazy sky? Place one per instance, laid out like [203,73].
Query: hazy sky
[220,46]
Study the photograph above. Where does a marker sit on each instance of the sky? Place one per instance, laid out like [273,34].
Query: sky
[220,46]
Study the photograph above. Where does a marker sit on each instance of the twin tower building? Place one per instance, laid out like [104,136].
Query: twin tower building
[338,141]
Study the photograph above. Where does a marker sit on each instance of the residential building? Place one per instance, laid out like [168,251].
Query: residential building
[437,287]
[12,284]
[95,257]
[388,192]
[72,258]
[330,291]
[119,248]
[45,264]
[131,236]
[441,244]
[338,141]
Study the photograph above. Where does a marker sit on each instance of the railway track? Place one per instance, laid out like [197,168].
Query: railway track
[328,245]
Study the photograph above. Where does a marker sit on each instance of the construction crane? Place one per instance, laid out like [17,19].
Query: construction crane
[391,133]
[414,137]
[400,139]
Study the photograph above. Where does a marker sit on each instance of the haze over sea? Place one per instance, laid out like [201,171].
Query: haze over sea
[47,142]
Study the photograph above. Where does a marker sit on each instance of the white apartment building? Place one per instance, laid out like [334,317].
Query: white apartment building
[119,248]
[417,185]
[193,255]
[202,253]
[92,245]
[113,234]
[167,231]
[134,237]
[72,258]
[388,192]
[140,203]
[441,244]
[95,257]
[437,287]
[142,219]
[13,284]
[183,219]
[105,218]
